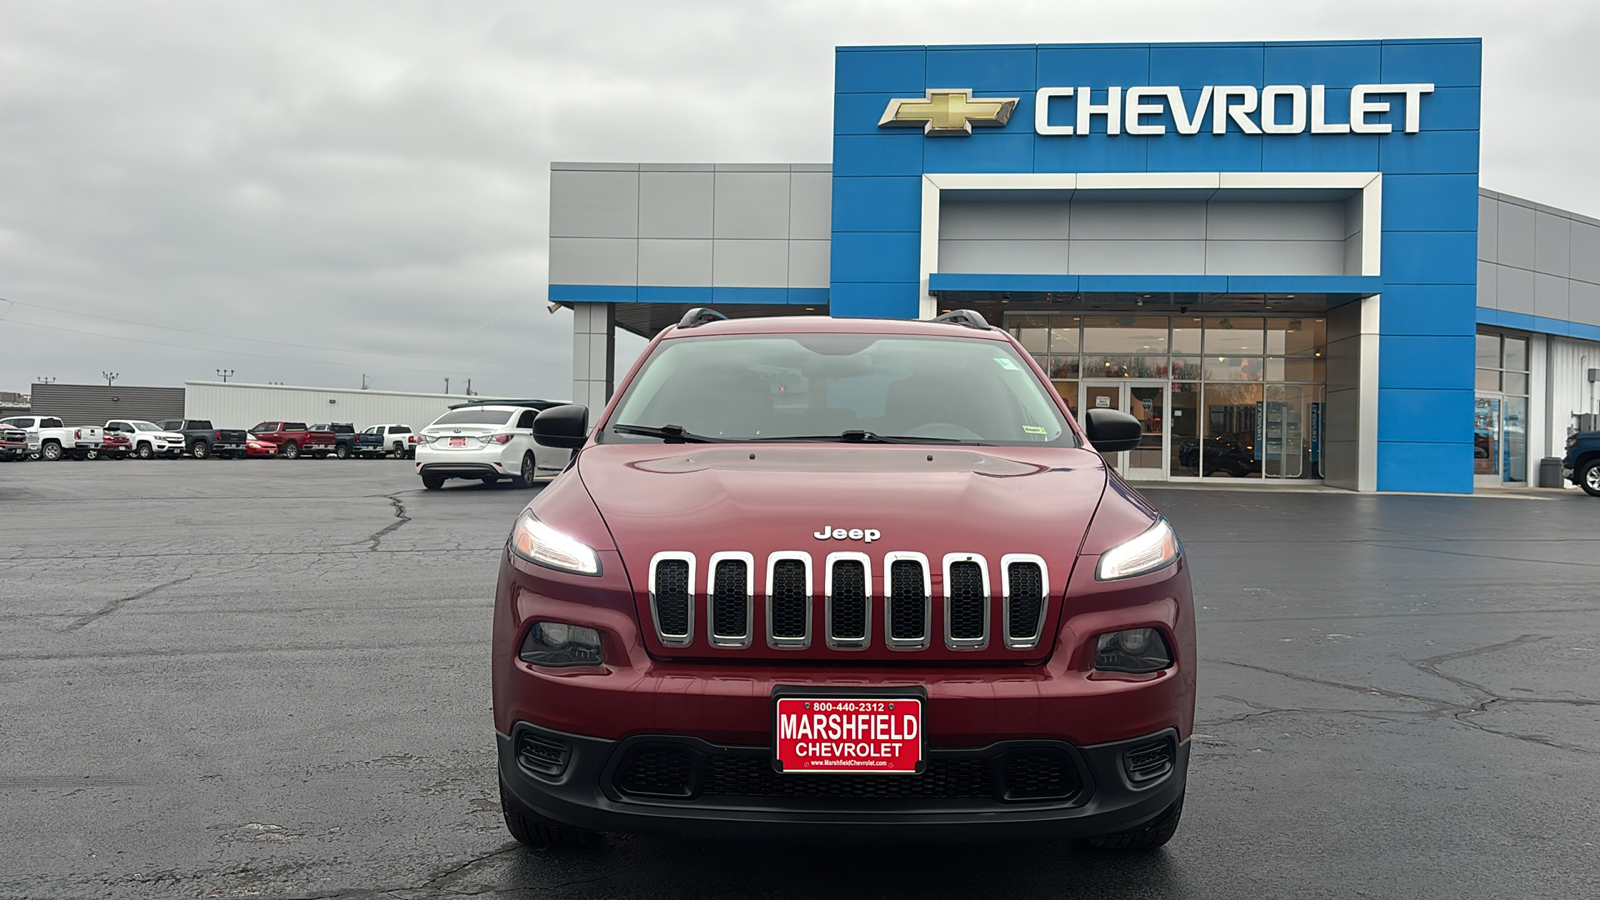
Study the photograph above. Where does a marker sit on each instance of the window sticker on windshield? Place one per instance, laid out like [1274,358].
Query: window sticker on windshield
[1033,429]
[1007,364]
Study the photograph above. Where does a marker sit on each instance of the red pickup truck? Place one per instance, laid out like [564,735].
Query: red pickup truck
[294,439]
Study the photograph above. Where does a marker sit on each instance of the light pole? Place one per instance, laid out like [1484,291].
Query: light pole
[224,374]
[110,377]
[46,379]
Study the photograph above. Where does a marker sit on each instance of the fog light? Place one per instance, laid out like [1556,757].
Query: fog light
[557,644]
[1135,650]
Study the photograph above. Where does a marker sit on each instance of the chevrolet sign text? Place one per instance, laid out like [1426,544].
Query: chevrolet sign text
[1274,109]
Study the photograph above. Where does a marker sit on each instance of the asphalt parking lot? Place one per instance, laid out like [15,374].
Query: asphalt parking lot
[270,679]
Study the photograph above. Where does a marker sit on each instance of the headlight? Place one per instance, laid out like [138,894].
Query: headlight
[538,543]
[1135,650]
[558,644]
[1156,548]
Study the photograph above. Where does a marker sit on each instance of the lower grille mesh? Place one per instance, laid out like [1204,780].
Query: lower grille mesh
[1027,599]
[908,604]
[750,776]
[849,600]
[657,770]
[672,597]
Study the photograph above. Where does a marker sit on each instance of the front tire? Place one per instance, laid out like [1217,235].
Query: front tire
[533,832]
[1589,478]
[1146,837]
[145,451]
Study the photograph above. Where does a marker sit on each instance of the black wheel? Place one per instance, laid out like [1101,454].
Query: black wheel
[291,450]
[432,482]
[1148,836]
[91,453]
[343,451]
[200,450]
[531,831]
[51,451]
[145,451]
[1589,478]
[399,451]
[524,478]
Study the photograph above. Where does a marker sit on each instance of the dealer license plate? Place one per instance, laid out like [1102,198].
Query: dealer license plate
[458,442]
[843,735]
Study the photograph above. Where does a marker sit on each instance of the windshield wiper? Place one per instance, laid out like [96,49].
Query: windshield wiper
[858,436]
[672,434]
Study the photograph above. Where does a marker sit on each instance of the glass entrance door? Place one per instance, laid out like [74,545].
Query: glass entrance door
[1146,400]
[1486,442]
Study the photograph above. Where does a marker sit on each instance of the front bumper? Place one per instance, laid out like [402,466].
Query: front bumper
[1005,790]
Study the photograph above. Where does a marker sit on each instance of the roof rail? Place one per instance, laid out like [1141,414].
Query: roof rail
[533,404]
[964,317]
[699,316]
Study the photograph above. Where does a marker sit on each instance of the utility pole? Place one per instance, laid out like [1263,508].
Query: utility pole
[225,374]
[110,377]
[46,379]
[447,384]
[469,387]
[363,381]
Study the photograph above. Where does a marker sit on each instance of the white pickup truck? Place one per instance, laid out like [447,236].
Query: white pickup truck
[56,440]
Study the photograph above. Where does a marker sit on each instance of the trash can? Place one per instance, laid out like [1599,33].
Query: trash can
[1550,472]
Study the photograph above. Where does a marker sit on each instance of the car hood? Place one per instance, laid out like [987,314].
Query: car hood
[709,498]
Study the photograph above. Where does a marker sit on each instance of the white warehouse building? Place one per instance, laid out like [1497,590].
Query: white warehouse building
[236,405]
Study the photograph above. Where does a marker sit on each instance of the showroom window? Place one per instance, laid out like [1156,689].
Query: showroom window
[1500,409]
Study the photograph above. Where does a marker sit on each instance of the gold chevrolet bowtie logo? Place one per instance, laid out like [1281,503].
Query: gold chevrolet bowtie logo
[947,113]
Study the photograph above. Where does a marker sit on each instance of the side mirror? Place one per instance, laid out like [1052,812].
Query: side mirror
[1112,431]
[562,426]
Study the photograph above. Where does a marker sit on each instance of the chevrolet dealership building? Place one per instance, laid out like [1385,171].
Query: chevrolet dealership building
[1277,256]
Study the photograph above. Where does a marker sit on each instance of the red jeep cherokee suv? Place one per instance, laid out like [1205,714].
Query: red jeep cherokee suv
[842,578]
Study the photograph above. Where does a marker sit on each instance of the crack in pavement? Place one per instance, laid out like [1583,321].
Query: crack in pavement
[401,518]
[1482,697]
[117,604]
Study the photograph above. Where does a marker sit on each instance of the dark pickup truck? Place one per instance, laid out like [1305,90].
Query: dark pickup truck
[294,439]
[1582,463]
[200,440]
[344,437]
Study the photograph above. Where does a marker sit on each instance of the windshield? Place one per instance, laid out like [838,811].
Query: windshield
[144,426]
[819,386]
[474,417]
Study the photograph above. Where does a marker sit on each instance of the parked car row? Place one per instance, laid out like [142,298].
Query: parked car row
[48,438]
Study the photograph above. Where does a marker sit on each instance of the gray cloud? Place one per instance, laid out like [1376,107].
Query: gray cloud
[373,176]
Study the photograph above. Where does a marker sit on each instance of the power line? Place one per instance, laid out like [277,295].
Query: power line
[215,334]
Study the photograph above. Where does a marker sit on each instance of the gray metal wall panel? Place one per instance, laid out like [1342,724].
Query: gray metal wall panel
[678,263]
[1262,257]
[95,404]
[675,204]
[1514,289]
[1550,296]
[1487,282]
[1004,220]
[808,264]
[1488,227]
[594,204]
[1276,221]
[752,205]
[1002,257]
[594,261]
[1138,221]
[1586,252]
[1137,257]
[810,207]
[1552,244]
[1584,300]
[751,263]
[1516,243]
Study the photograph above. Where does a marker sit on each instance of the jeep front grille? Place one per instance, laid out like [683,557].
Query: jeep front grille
[725,597]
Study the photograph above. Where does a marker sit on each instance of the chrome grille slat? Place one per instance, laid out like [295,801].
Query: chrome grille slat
[908,601]
[1025,602]
[728,598]
[789,600]
[672,597]
[848,613]
[966,601]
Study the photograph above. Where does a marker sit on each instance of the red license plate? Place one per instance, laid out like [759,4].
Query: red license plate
[458,442]
[848,735]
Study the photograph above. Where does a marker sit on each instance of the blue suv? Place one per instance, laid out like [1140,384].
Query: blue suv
[1582,463]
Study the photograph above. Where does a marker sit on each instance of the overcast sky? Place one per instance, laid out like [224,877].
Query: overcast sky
[307,192]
